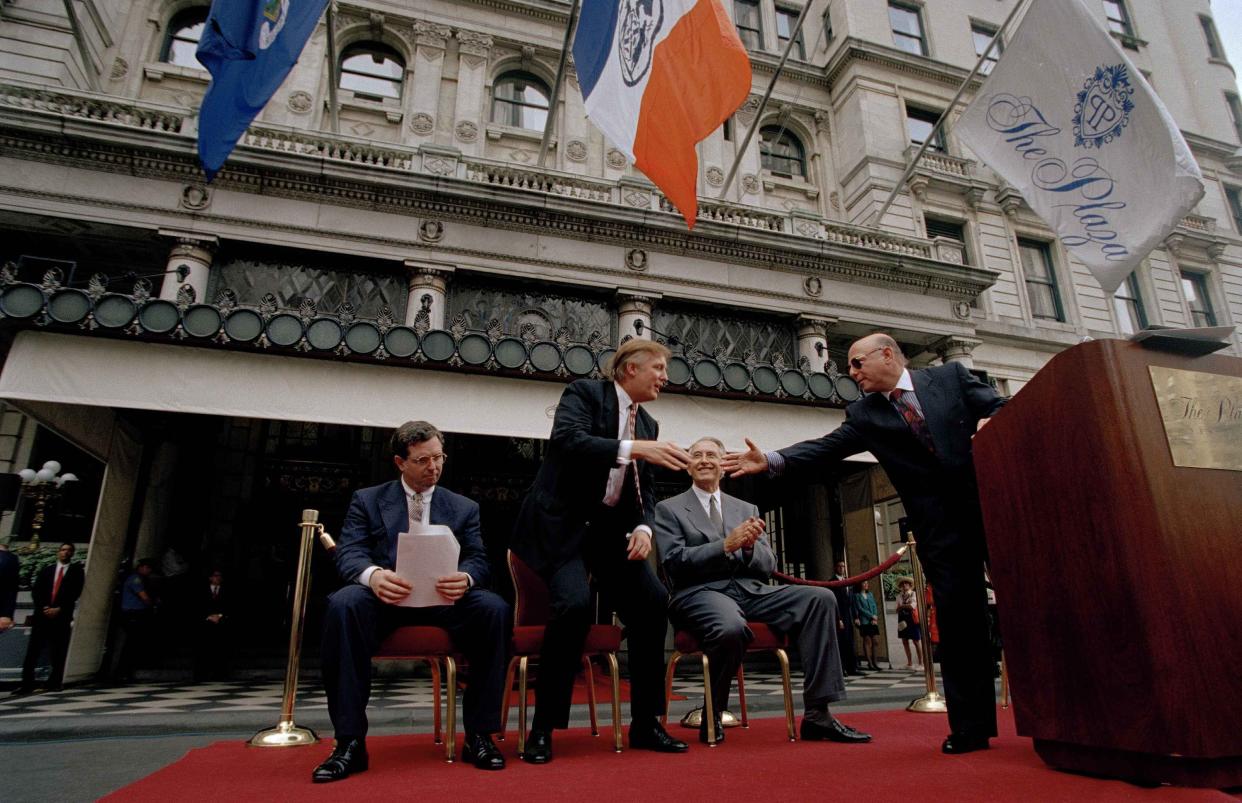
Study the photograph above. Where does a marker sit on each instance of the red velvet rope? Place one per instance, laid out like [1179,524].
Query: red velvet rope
[849,581]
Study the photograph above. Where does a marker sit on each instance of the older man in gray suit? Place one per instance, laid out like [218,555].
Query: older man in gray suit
[718,561]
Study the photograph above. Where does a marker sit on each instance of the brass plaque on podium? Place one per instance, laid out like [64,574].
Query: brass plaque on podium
[1202,416]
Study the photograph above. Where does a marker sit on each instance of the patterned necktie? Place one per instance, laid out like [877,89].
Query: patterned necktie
[60,573]
[713,513]
[416,510]
[630,423]
[916,422]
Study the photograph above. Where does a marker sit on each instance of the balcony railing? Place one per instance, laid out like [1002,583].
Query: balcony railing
[448,163]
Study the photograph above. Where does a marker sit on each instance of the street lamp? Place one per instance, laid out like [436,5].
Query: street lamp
[44,487]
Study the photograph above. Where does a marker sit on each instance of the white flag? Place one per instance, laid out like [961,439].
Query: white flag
[1074,127]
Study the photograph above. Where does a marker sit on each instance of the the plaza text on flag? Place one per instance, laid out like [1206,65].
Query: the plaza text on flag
[657,77]
[248,46]
[1072,125]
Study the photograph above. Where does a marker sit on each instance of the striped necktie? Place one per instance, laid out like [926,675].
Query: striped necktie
[630,424]
[914,420]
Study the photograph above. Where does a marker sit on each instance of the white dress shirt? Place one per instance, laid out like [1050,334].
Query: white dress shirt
[616,477]
[906,385]
[364,577]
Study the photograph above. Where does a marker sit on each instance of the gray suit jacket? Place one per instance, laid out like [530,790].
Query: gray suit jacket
[693,553]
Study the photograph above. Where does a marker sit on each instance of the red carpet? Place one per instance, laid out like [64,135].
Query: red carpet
[903,762]
[603,692]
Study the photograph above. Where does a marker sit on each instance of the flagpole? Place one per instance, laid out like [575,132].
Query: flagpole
[931,137]
[750,132]
[554,101]
[88,65]
[334,119]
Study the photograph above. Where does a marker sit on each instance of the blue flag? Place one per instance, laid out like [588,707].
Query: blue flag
[248,46]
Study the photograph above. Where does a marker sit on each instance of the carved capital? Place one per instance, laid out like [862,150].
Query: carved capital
[955,348]
[473,43]
[1174,242]
[431,35]
[1010,200]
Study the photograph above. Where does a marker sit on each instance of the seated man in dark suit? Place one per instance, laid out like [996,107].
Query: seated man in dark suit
[714,553]
[362,613]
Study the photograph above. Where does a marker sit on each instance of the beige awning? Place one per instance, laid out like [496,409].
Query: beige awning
[71,369]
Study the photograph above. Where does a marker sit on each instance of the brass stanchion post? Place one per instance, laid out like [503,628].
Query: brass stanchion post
[931,702]
[286,733]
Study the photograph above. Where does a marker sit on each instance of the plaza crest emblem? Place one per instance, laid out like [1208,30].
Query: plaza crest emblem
[275,12]
[639,22]
[1102,109]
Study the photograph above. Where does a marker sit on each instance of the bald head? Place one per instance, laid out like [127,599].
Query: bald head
[876,362]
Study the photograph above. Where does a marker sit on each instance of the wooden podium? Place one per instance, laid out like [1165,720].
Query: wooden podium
[1117,572]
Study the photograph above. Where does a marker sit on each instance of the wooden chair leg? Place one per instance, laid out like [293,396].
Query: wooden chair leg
[789,712]
[668,683]
[709,716]
[522,666]
[434,663]
[450,743]
[615,672]
[741,696]
[504,706]
[590,683]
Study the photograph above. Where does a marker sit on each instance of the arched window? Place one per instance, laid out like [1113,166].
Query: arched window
[181,41]
[372,70]
[519,99]
[781,153]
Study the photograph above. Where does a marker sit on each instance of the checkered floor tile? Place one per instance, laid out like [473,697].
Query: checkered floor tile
[387,693]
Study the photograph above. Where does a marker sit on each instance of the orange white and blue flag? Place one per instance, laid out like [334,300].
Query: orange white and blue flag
[659,76]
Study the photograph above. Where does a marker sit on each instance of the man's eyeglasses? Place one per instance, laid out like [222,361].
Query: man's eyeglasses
[856,362]
[421,462]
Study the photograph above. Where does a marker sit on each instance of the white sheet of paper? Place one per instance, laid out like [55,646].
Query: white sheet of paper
[423,554]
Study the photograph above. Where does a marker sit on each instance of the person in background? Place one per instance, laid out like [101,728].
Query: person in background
[55,594]
[867,618]
[9,570]
[137,618]
[908,629]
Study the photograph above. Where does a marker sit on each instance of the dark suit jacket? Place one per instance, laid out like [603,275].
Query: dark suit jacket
[572,480]
[377,514]
[692,551]
[70,589]
[938,490]
[208,605]
[9,569]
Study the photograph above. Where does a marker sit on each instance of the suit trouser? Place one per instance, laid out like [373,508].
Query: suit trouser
[718,619]
[357,621]
[640,601]
[965,648]
[54,635]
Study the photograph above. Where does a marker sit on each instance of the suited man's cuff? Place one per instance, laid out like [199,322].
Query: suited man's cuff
[364,577]
[623,452]
[776,463]
[642,528]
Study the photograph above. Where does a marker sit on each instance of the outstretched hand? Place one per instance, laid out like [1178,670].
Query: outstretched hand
[662,453]
[751,461]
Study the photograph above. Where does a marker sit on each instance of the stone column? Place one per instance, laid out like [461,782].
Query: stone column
[430,43]
[813,340]
[957,349]
[631,307]
[195,252]
[428,286]
[469,121]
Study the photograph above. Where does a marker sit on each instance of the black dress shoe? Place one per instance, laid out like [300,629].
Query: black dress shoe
[720,734]
[958,743]
[652,736]
[482,752]
[538,747]
[349,756]
[834,731]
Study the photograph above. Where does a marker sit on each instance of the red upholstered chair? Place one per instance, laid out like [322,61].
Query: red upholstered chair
[531,612]
[433,645]
[766,640]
